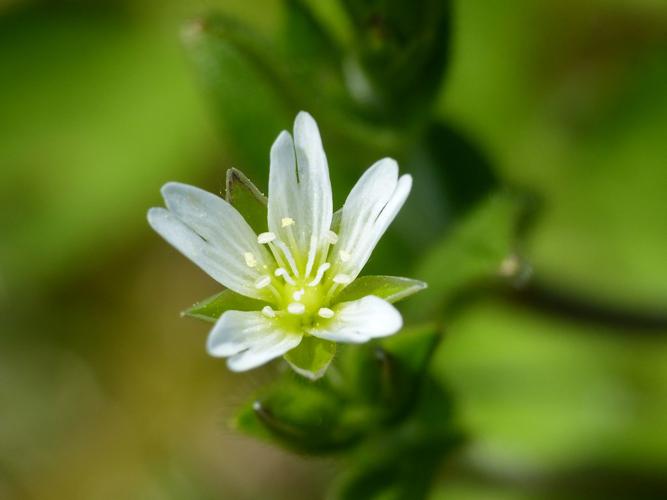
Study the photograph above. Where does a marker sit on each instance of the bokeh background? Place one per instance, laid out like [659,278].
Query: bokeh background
[557,363]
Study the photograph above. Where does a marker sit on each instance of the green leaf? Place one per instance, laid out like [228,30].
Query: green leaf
[212,308]
[243,195]
[311,357]
[390,288]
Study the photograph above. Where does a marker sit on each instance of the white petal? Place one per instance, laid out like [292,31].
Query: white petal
[359,321]
[370,207]
[249,339]
[211,233]
[300,189]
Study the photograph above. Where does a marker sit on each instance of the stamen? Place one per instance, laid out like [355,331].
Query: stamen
[320,272]
[250,259]
[331,237]
[298,294]
[264,238]
[268,312]
[286,221]
[288,256]
[262,282]
[282,272]
[296,308]
[344,256]
[342,279]
[325,312]
[311,254]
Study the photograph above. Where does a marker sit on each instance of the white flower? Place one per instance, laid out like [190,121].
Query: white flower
[299,266]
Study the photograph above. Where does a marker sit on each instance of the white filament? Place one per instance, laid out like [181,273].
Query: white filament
[288,256]
[282,272]
[320,272]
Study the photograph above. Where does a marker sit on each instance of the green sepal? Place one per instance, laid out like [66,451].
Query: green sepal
[311,357]
[306,417]
[384,374]
[243,195]
[390,288]
[211,309]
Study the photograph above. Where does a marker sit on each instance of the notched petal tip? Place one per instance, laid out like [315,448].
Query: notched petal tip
[172,187]
[386,167]
[306,132]
[304,118]
[404,183]
[154,214]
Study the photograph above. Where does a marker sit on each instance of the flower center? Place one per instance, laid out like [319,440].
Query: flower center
[300,292]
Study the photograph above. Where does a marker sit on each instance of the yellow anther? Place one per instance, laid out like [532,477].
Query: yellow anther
[344,256]
[286,221]
[296,308]
[342,279]
[268,312]
[331,237]
[250,259]
[325,312]
[267,237]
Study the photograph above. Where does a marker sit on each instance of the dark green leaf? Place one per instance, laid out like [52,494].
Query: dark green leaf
[212,308]
[401,51]
[390,288]
[311,357]
[464,171]
[247,199]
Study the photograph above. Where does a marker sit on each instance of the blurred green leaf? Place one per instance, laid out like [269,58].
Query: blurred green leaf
[472,252]
[212,308]
[252,97]
[465,172]
[413,346]
[307,43]
[390,288]
[247,199]
[401,53]
[398,462]
[311,357]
